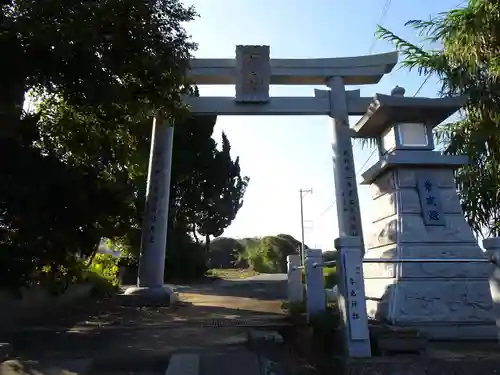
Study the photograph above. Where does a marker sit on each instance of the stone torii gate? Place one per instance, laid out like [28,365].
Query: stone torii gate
[252,72]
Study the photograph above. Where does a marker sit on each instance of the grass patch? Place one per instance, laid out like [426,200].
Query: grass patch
[330,275]
[231,274]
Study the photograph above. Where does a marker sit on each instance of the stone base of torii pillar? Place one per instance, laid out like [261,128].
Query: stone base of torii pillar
[162,294]
[150,282]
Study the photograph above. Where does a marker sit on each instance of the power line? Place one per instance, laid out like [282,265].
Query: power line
[333,203]
[383,15]
[326,210]
[385,9]
[368,159]
[381,20]
[422,85]
[302,193]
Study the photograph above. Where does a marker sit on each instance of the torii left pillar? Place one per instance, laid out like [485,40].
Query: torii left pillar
[150,280]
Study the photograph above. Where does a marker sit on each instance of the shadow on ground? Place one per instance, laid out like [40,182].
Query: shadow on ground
[117,331]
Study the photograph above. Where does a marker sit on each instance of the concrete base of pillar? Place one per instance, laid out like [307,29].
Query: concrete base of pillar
[444,301]
[440,308]
[155,295]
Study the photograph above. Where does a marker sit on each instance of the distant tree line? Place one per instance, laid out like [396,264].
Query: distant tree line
[266,254]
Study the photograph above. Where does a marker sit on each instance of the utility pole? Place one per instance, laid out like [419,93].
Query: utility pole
[303,193]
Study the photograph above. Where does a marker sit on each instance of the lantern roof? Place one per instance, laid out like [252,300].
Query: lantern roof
[386,110]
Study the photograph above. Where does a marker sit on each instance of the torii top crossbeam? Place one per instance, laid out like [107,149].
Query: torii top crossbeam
[359,70]
[253,71]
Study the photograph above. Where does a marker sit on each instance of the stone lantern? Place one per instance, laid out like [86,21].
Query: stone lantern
[416,214]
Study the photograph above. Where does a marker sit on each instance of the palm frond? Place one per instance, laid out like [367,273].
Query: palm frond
[467,62]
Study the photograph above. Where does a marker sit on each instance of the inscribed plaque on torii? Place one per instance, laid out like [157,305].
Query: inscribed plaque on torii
[253,69]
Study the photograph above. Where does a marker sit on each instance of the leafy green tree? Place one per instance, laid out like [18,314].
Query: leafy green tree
[249,241]
[44,219]
[467,63]
[295,243]
[197,168]
[185,259]
[95,54]
[221,191]
[224,252]
[269,254]
[98,70]
[277,249]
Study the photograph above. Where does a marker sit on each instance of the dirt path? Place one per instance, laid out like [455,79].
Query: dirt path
[119,333]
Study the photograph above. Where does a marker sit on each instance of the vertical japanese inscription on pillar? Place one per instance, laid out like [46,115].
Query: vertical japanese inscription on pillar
[345,176]
[155,193]
[253,74]
[355,296]
[349,193]
[430,202]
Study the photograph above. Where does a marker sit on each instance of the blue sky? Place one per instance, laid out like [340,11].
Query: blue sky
[283,154]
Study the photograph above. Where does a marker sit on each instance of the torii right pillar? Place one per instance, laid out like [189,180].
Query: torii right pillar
[417,214]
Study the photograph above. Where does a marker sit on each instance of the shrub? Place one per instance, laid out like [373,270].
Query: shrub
[268,254]
[106,266]
[224,254]
[329,274]
[257,260]
[102,274]
[101,286]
